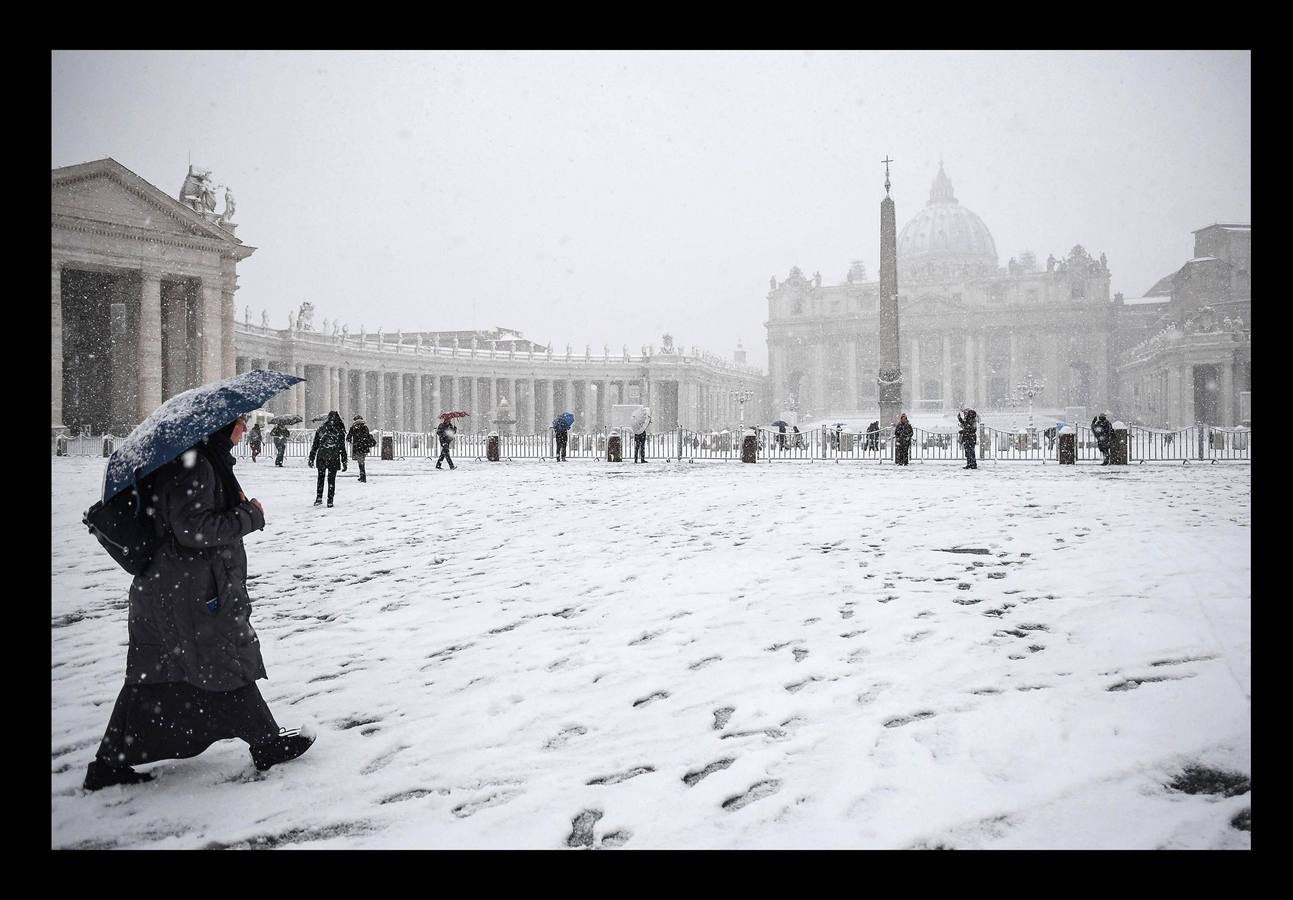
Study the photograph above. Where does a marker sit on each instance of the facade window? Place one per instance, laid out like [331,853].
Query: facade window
[797,308]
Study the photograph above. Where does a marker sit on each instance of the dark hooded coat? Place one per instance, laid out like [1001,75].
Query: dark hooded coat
[329,447]
[969,427]
[190,613]
[280,434]
[1102,428]
[361,439]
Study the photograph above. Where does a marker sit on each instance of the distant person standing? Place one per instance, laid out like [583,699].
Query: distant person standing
[781,436]
[445,432]
[639,439]
[969,421]
[562,431]
[279,434]
[255,440]
[873,436]
[1102,428]
[902,433]
[329,450]
[361,442]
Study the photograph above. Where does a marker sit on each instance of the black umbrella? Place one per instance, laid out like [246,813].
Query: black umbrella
[185,419]
[781,424]
[285,420]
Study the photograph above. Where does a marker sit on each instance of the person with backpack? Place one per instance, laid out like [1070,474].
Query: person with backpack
[329,448]
[445,432]
[254,441]
[562,431]
[902,433]
[1102,428]
[279,434]
[361,442]
[193,658]
[969,420]
[873,436]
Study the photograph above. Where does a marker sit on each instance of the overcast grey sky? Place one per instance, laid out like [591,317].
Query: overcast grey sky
[610,197]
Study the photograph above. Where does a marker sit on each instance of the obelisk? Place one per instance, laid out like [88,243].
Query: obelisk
[890,377]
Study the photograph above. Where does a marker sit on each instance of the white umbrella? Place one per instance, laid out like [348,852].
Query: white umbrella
[640,419]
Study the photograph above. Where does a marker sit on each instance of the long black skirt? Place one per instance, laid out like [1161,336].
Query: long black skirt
[177,720]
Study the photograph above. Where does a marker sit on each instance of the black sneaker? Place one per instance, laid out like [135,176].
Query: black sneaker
[318,501]
[102,775]
[290,743]
[329,504]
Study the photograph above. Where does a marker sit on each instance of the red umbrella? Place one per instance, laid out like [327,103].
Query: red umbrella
[453,415]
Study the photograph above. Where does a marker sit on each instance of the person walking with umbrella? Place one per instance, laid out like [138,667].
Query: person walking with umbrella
[969,421]
[193,658]
[446,432]
[640,420]
[255,440]
[361,441]
[902,440]
[781,433]
[561,428]
[279,434]
[329,448]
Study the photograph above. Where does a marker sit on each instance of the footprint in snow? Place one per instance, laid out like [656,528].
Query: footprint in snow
[621,776]
[692,778]
[651,698]
[757,791]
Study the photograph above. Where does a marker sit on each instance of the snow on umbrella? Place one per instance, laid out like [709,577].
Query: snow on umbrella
[566,419]
[185,419]
[780,424]
[285,420]
[639,420]
[448,416]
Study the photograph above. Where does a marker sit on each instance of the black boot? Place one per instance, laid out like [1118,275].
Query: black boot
[289,744]
[329,503]
[318,501]
[102,775]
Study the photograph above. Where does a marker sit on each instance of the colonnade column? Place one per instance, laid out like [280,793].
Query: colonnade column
[381,400]
[150,343]
[227,316]
[436,408]
[1053,382]
[969,369]
[56,345]
[419,414]
[1014,364]
[212,350]
[1226,408]
[298,391]
[851,375]
[362,406]
[549,402]
[472,406]
[982,363]
[400,423]
[914,380]
[947,371]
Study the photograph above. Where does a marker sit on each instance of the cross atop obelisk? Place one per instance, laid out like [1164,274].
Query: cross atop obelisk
[886,162]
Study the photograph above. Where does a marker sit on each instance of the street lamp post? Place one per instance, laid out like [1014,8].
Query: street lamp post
[741,397]
[1030,387]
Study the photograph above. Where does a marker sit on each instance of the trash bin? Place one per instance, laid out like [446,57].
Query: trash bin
[846,442]
[1118,447]
[1021,439]
[749,449]
[614,449]
[107,446]
[1067,446]
[491,448]
[388,446]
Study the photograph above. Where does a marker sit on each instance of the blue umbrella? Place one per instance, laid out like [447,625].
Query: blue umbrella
[185,419]
[566,419]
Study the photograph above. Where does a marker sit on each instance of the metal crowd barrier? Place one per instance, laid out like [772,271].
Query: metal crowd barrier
[1195,443]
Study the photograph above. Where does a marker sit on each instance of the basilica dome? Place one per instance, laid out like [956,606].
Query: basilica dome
[944,240]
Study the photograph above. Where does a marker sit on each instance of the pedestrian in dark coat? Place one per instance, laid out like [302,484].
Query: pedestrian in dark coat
[329,449]
[902,433]
[562,432]
[193,658]
[280,434]
[254,441]
[1102,428]
[445,432]
[969,420]
[873,436]
[796,439]
[781,436]
[639,441]
[361,441]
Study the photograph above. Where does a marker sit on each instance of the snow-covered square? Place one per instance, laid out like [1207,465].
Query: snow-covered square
[707,655]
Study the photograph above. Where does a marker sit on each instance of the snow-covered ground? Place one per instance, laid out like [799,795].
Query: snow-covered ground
[710,655]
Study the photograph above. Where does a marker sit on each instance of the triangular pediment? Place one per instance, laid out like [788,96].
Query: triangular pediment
[106,191]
